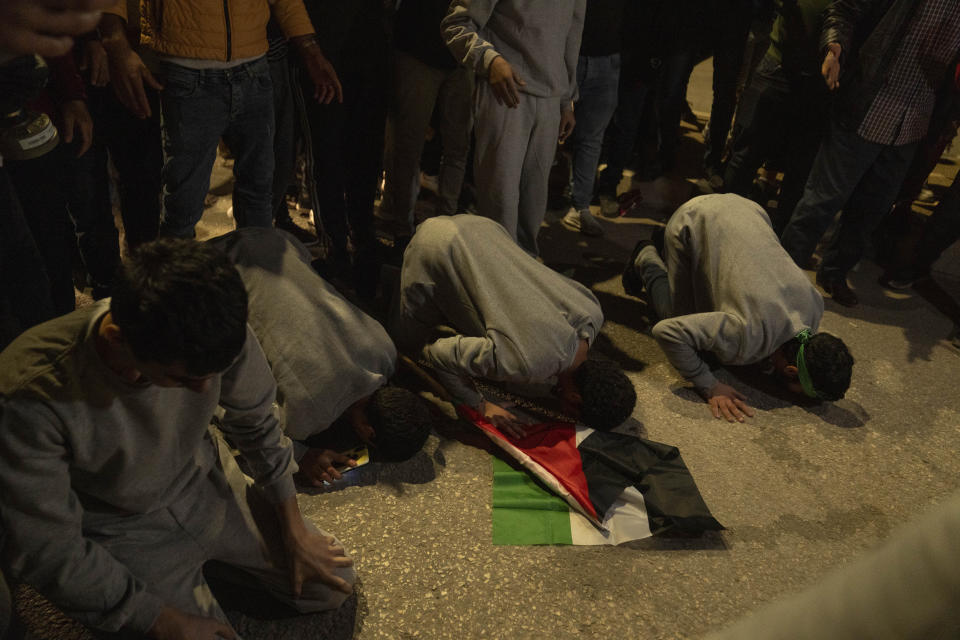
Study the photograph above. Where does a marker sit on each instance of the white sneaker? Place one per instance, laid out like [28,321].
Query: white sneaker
[582,221]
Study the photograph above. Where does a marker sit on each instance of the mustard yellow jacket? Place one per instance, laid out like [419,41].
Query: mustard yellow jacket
[214,29]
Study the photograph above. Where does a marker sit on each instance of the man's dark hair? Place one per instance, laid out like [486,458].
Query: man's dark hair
[401,421]
[608,395]
[181,301]
[828,361]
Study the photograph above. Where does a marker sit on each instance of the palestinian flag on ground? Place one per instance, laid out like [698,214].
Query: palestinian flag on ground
[607,488]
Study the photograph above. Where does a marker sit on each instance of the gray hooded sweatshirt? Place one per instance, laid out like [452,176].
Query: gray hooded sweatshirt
[511,318]
[324,352]
[736,293]
[539,38]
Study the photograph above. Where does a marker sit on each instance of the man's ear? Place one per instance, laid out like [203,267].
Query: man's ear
[111,332]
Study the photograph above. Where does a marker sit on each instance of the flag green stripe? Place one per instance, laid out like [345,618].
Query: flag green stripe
[524,512]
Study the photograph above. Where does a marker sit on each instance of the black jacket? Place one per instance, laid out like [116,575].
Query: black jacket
[869,32]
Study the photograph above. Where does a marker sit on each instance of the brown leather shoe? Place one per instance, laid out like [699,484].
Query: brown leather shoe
[839,290]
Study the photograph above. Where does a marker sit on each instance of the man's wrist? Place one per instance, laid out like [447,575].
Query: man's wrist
[307,43]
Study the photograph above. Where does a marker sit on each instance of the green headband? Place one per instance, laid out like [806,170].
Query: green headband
[802,372]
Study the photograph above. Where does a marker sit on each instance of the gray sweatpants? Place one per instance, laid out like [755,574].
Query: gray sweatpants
[418,87]
[223,518]
[514,153]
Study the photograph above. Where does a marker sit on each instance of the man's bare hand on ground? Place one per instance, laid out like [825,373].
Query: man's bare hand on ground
[174,624]
[727,402]
[503,420]
[316,557]
[319,465]
[44,27]
[830,69]
[505,83]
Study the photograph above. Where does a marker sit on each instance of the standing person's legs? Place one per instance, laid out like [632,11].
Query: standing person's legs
[844,157]
[808,119]
[671,97]
[456,123]
[415,90]
[759,127]
[621,135]
[727,62]
[597,79]
[24,288]
[136,150]
[284,135]
[502,135]
[870,201]
[194,115]
[537,162]
[87,188]
[249,136]
[39,183]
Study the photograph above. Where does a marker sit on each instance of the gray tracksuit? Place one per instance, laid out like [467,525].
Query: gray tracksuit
[515,147]
[325,353]
[733,290]
[512,318]
[113,494]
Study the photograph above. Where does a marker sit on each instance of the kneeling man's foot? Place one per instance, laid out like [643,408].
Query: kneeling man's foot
[839,290]
[632,283]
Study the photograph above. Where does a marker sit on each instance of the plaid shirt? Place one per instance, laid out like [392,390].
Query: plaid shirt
[900,113]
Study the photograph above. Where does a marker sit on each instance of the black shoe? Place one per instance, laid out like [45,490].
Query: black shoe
[632,283]
[839,290]
[904,278]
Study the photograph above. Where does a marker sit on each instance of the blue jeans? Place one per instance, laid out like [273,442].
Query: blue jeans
[597,79]
[622,134]
[198,107]
[862,178]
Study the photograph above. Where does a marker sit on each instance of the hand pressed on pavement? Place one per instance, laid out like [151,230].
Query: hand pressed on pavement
[319,465]
[503,420]
[315,557]
[505,82]
[727,402]
[174,624]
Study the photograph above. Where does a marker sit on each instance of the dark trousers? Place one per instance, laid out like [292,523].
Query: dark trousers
[862,178]
[24,287]
[66,201]
[941,230]
[137,153]
[731,28]
[622,133]
[285,134]
[347,149]
[778,111]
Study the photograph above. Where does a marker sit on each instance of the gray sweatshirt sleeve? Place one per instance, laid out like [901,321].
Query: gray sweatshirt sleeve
[572,53]
[250,424]
[42,519]
[461,31]
[493,357]
[682,337]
